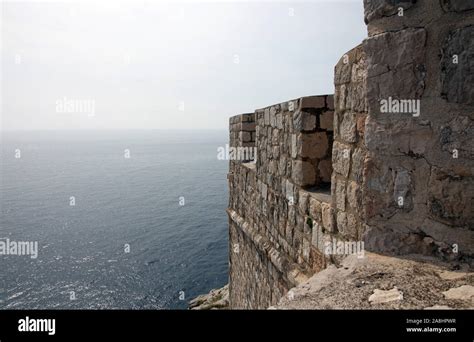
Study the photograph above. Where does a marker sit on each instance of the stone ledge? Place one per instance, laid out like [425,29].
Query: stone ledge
[250,165]
[320,195]
[418,285]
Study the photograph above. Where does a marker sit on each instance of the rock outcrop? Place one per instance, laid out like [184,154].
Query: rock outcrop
[382,282]
[217,299]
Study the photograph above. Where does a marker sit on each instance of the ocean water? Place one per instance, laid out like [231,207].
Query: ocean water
[175,251]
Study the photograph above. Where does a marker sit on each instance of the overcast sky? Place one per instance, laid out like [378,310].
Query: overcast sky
[192,65]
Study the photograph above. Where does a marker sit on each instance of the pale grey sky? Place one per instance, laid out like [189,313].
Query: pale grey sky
[162,65]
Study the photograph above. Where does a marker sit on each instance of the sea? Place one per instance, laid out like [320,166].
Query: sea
[121,219]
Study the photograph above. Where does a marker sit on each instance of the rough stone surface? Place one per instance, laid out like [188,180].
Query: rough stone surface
[396,66]
[457,5]
[216,299]
[381,296]
[350,285]
[464,292]
[303,173]
[457,78]
[304,121]
[376,9]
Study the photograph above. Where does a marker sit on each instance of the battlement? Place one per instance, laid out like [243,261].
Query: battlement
[386,163]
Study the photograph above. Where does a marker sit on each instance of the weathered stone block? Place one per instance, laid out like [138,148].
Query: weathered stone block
[272,119]
[330,102]
[450,198]
[341,195]
[303,173]
[457,71]
[376,9]
[327,213]
[304,121]
[360,126]
[294,146]
[267,116]
[325,170]
[314,145]
[357,164]
[290,192]
[245,136]
[401,189]
[303,201]
[312,102]
[351,231]
[279,121]
[347,129]
[315,209]
[457,5]
[354,195]
[395,66]
[341,219]
[340,97]
[264,190]
[326,120]
[343,71]
[341,158]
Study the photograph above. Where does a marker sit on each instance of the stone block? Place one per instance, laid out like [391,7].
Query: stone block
[341,158]
[457,78]
[330,102]
[279,121]
[376,9]
[327,213]
[341,195]
[247,126]
[245,136]
[304,121]
[457,5]
[290,191]
[303,173]
[326,120]
[347,129]
[341,219]
[395,66]
[294,146]
[325,170]
[303,201]
[313,145]
[267,116]
[450,198]
[353,195]
[312,102]
[315,209]
[357,164]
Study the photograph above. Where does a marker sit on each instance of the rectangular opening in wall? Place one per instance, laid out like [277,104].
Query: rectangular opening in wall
[312,145]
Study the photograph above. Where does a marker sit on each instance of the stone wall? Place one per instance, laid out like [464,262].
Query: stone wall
[417,182]
[349,152]
[389,163]
[271,231]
